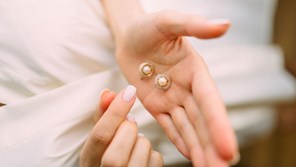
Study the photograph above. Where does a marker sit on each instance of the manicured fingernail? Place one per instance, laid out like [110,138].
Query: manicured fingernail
[131,117]
[103,92]
[235,160]
[221,21]
[141,134]
[129,93]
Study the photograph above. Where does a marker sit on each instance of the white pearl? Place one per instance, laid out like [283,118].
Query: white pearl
[147,70]
[162,81]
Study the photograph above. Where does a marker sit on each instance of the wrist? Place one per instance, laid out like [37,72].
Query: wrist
[120,14]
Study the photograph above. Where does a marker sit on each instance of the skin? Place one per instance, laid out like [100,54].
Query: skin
[191,111]
[108,144]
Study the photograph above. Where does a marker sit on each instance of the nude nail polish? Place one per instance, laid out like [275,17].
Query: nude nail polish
[141,135]
[131,117]
[129,93]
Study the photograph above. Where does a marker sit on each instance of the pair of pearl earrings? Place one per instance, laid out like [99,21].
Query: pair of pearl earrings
[161,81]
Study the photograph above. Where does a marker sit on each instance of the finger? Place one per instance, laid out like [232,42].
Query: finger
[168,126]
[106,98]
[120,149]
[156,159]
[213,159]
[189,136]
[211,105]
[211,156]
[105,129]
[172,23]
[196,118]
[141,152]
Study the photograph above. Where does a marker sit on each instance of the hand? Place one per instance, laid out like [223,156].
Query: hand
[191,111]
[114,140]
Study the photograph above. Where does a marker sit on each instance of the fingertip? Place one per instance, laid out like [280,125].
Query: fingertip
[106,98]
[214,31]
[103,92]
[129,93]
[156,159]
[218,27]
[228,149]
[182,148]
[235,160]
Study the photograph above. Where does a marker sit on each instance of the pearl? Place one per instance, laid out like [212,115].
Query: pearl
[147,70]
[162,81]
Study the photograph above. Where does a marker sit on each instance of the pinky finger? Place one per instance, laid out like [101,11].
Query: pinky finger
[156,159]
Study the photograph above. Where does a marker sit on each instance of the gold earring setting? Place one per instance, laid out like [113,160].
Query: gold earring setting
[146,70]
[162,82]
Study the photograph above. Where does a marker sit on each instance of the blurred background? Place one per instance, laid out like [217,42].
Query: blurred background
[278,148]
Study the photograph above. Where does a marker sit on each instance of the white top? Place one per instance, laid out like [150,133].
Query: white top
[46,44]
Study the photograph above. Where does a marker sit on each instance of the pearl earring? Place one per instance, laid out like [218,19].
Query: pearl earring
[146,70]
[162,82]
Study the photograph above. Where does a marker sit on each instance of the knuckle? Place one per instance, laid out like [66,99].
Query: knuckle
[117,114]
[177,140]
[130,127]
[168,128]
[184,127]
[101,138]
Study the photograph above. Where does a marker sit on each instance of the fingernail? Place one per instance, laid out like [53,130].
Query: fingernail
[235,160]
[103,92]
[131,117]
[141,134]
[221,21]
[129,93]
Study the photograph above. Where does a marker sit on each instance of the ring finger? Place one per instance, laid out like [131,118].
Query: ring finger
[141,152]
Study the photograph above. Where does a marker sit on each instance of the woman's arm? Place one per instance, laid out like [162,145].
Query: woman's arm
[120,13]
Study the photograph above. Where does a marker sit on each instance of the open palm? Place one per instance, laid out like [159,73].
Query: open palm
[191,111]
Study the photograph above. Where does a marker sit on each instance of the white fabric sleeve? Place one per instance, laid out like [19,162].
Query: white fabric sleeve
[49,129]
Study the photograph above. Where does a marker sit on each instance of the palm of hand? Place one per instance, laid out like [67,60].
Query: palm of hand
[189,109]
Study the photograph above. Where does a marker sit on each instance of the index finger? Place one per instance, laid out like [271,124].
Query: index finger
[105,129]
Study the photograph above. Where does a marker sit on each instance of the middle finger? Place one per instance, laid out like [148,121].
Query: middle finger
[141,152]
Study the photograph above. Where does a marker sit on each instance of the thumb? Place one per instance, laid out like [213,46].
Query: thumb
[173,24]
[106,98]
